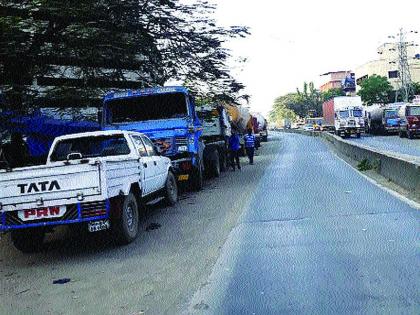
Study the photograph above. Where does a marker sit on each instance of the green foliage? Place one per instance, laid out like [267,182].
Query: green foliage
[416,88]
[99,41]
[327,95]
[311,100]
[364,165]
[281,108]
[375,89]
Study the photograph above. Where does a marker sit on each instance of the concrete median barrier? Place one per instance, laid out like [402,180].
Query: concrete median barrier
[403,170]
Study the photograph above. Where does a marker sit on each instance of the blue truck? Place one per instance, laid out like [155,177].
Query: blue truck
[165,114]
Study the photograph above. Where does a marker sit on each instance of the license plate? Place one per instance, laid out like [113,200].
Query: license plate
[183,177]
[100,225]
[42,213]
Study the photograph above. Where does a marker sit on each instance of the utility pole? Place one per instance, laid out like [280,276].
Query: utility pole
[404,75]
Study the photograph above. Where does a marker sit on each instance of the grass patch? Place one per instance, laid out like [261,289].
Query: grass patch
[364,165]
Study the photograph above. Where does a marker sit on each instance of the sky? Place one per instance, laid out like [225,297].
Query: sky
[296,41]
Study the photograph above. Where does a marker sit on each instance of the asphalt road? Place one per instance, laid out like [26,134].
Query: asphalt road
[157,274]
[391,143]
[317,238]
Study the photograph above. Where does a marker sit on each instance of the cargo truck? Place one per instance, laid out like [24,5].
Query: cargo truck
[382,118]
[344,115]
[216,133]
[409,115]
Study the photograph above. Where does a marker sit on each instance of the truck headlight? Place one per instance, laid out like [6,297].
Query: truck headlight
[182,148]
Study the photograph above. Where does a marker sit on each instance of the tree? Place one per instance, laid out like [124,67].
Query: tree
[311,99]
[282,108]
[375,89]
[96,45]
[327,95]
[416,88]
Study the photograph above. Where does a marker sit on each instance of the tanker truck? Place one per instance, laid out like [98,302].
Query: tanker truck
[382,118]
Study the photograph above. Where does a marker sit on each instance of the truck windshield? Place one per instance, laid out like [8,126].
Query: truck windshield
[357,113]
[413,111]
[344,113]
[148,107]
[91,147]
[391,114]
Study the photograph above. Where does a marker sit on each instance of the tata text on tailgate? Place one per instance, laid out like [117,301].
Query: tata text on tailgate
[93,179]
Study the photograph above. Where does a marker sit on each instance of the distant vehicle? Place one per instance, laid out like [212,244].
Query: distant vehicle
[344,115]
[409,115]
[308,127]
[316,122]
[94,180]
[382,118]
[287,123]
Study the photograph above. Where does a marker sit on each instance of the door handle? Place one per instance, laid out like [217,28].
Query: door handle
[145,164]
[154,162]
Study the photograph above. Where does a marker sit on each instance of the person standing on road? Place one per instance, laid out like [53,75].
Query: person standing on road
[250,146]
[234,147]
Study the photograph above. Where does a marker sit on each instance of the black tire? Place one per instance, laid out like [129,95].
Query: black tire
[400,133]
[410,134]
[214,170]
[223,161]
[171,189]
[126,228]
[358,135]
[28,240]
[197,177]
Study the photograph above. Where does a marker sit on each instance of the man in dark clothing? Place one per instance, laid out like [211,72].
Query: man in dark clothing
[234,147]
[16,152]
[250,146]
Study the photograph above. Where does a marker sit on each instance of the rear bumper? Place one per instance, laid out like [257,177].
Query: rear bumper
[183,168]
[75,213]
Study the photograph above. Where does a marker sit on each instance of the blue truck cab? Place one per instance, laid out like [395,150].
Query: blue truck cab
[167,116]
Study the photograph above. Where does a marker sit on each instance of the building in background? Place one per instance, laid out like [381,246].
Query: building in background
[387,65]
[337,80]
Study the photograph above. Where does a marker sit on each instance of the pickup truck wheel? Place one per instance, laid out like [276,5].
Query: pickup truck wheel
[171,190]
[127,226]
[28,240]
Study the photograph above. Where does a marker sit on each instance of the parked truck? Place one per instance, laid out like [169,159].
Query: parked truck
[216,133]
[409,115]
[382,118]
[168,117]
[344,115]
[95,180]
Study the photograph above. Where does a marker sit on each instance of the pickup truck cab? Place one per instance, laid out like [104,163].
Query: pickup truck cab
[97,179]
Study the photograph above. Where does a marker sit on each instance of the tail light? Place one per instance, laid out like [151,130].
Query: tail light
[185,166]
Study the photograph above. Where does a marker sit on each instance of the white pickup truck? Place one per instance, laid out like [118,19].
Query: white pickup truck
[98,179]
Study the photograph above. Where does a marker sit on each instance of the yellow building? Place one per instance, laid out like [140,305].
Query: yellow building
[387,65]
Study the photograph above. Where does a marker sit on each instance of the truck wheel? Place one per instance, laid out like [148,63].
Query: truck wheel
[223,161]
[197,177]
[400,133]
[358,135]
[171,190]
[28,240]
[126,228]
[410,134]
[214,164]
